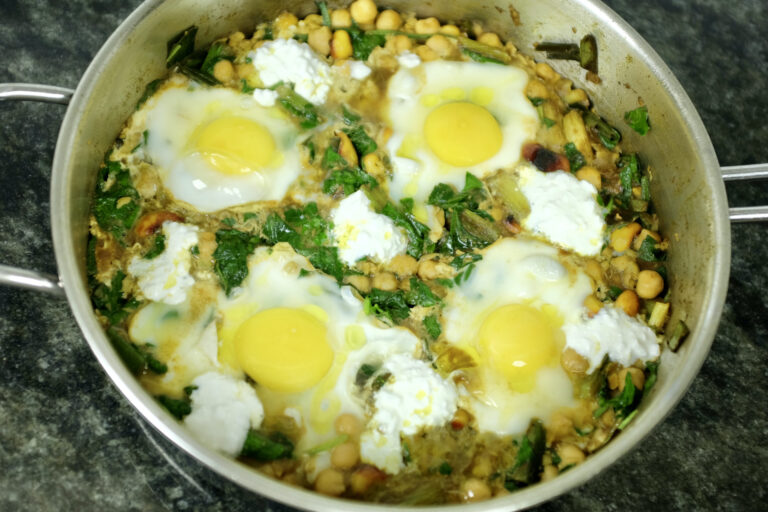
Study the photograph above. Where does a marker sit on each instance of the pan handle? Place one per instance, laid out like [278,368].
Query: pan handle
[18,277]
[746,173]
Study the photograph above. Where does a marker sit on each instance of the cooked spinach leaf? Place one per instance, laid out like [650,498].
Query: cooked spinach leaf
[217,52]
[528,462]
[231,256]
[179,408]
[396,305]
[309,223]
[157,247]
[347,181]
[149,90]
[110,301]
[649,252]
[116,201]
[297,106]
[638,120]
[363,43]
[181,46]
[417,233]
[574,156]
[607,134]
[136,358]
[432,326]
[362,142]
[264,447]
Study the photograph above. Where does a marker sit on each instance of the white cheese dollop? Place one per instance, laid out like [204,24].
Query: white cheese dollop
[408,60]
[287,60]
[358,70]
[612,332]
[223,409]
[360,232]
[415,397]
[564,210]
[166,278]
[265,97]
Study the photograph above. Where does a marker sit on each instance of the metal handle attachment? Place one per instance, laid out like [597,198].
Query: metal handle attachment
[18,277]
[746,173]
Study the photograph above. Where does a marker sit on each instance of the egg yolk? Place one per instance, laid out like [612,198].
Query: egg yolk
[284,349]
[235,145]
[517,340]
[462,133]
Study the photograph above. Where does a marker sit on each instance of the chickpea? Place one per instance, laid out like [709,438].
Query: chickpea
[341,45]
[223,71]
[364,477]
[649,284]
[363,11]
[482,466]
[385,281]
[577,96]
[348,424]
[474,489]
[490,38]
[285,21]
[570,454]
[403,265]
[536,89]
[440,45]
[362,283]
[545,71]
[320,40]
[549,473]
[450,30]
[590,175]
[346,148]
[398,44]
[313,21]
[573,362]
[627,269]
[636,374]
[341,18]
[429,268]
[628,302]
[345,456]
[593,304]
[594,270]
[560,425]
[427,26]
[373,165]
[622,238]
[389,20]
[426,53]
[330,481]
[236,38]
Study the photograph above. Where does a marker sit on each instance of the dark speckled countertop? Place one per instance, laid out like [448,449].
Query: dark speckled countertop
[69,440]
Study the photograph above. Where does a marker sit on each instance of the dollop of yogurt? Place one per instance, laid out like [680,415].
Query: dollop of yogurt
[612,332]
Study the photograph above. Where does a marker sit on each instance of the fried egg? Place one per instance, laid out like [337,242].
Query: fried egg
[217,148]
[302,339]
[450,118]
[508,316]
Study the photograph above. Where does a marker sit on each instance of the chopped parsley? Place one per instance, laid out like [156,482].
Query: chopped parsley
[231,256]
[638,120]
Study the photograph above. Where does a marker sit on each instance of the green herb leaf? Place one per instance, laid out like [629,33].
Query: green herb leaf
[574,157]
[326,15]
[130,354]
[417,233]
[116,201]
[245,88]
[420,294]
[181,46]
[386,304]
[231,257]
[638,120]
[178,408]
[607,134]
[229,222]
[217,52]
[301,109]
[157,247]
[308,221]
[348,181]
[629,176]
[149,90]
[265,448]
[363,43]
[445,469]
[651,371]
[528,462]
[479,57]
[110,302]
[349,117]
[432,326]
[648,251]
[362,142]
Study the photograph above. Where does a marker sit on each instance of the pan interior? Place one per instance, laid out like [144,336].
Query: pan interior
[686,184]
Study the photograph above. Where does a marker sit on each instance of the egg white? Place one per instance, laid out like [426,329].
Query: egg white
[413,92]
[172,117]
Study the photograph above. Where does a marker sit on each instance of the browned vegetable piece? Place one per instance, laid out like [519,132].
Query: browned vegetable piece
[151,222]
[544,159]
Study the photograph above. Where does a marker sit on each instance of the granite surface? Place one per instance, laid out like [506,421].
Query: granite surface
[69,440]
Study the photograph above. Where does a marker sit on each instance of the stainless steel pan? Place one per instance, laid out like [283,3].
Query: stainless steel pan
[687,185]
